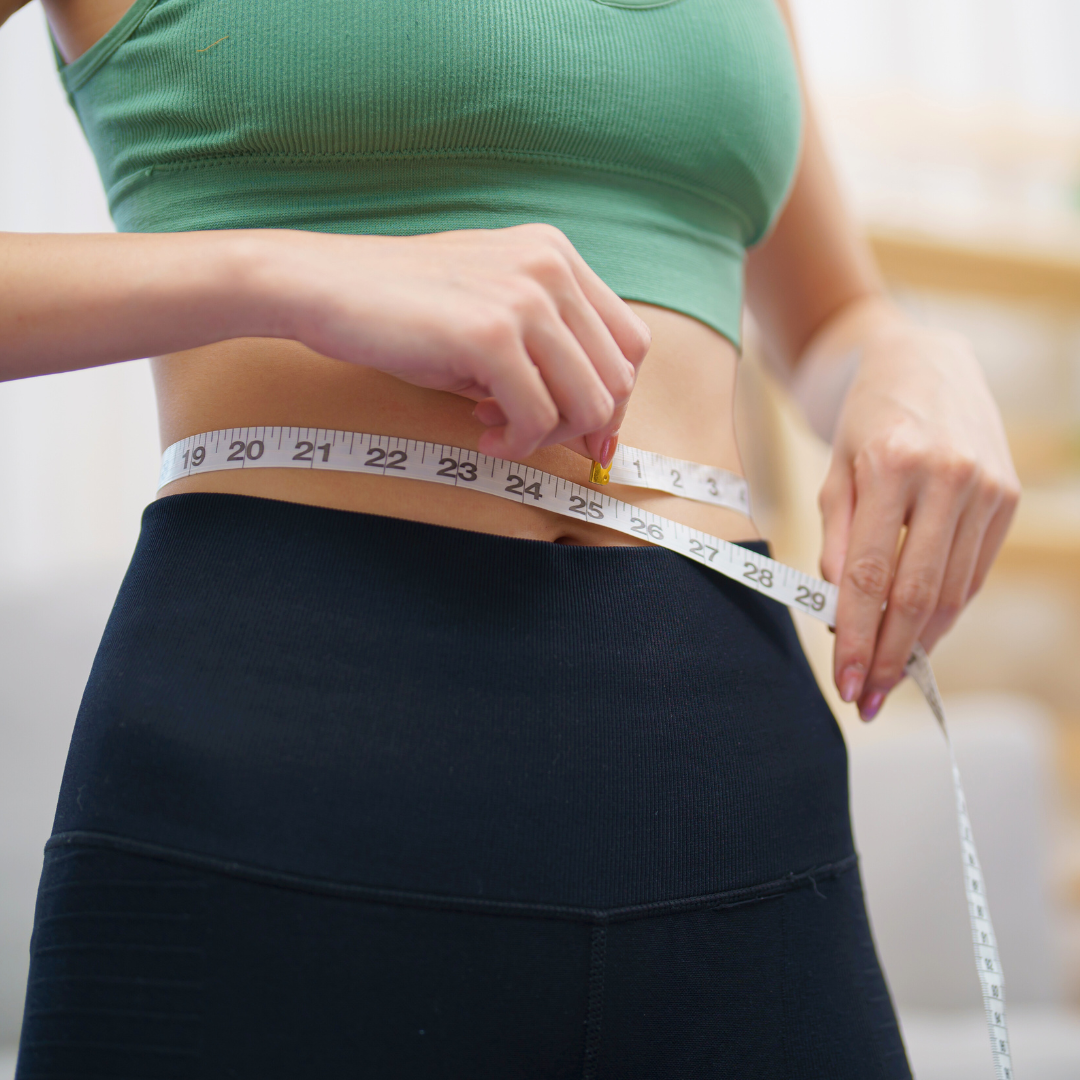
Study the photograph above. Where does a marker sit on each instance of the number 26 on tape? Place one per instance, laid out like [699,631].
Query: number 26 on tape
[652,529]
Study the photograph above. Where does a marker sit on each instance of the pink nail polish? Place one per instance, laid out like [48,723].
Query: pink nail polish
[873,705]
[607,450]
[850,682]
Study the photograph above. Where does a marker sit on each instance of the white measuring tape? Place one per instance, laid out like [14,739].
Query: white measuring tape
[987,961]
[687,479]
[386,455]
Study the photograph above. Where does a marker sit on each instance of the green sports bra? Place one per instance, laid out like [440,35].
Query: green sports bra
[660,135]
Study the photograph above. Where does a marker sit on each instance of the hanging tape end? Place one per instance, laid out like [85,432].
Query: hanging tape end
[599,474]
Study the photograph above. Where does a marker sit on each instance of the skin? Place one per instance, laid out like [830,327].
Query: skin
[505,341]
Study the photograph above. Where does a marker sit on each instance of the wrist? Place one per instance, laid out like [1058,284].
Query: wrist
[828,365]
[288,288]
[262,283]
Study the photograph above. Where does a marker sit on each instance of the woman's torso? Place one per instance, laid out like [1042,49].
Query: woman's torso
[683,404]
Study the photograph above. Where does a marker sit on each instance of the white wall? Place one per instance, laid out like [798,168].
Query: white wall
[1019,53]
[77,451]
[78,461]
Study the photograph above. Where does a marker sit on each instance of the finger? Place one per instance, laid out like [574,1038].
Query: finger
[914,593]
[837,503]
[585,405]
[616,372]
[520,391]
[960,571]
[473,391]
[489,413]
[630,332]
[579,301]
[880,509]
[994,538]
[599,444]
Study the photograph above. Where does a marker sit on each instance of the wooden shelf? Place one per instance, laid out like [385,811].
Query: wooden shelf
[1045,537]
[930,262]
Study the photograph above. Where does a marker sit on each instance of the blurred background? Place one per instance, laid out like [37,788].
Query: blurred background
[955,125]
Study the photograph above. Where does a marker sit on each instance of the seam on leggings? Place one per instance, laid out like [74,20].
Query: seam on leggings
[595,1013]
[300,883]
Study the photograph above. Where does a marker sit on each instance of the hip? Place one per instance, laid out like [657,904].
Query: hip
[416,708]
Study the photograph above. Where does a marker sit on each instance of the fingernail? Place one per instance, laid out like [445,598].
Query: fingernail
[607,451]
[850,682]
[873,705]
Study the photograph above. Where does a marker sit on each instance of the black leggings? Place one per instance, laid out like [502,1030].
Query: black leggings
[355,796]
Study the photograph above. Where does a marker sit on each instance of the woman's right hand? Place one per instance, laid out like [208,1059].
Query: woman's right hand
[513,319]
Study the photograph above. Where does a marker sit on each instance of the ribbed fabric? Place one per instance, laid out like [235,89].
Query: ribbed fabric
[434,712]
[145,967]
[661,139]
[355,796]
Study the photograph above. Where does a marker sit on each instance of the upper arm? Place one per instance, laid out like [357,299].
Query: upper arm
[77,25]
[815,261]
[9,7]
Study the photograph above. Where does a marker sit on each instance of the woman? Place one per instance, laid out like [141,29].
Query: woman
[402,780]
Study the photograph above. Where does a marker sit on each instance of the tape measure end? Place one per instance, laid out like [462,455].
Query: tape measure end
[599,474]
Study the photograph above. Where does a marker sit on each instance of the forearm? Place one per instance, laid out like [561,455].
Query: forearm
[78,301]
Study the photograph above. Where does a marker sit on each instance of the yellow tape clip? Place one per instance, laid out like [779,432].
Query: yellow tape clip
[599,474]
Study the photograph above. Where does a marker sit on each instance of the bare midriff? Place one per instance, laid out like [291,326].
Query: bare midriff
[682,406]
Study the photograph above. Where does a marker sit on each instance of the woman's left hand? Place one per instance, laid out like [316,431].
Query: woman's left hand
[918,446]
